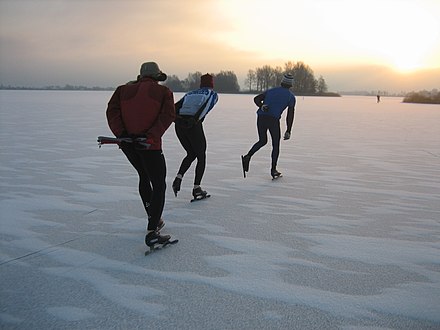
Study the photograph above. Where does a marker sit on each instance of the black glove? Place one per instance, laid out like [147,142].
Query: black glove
[287,135]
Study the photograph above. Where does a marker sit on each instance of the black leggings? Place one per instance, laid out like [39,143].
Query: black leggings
[265,123]
[193,140]
[151,167]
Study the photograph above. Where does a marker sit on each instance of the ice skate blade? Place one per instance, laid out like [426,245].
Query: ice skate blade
[158,246]
[199,198]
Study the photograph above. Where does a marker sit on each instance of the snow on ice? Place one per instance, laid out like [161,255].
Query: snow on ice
[348,238]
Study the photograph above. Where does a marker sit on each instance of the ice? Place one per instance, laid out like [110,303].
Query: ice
[348,238]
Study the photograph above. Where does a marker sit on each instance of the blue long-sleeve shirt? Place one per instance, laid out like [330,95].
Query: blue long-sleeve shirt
[277,99]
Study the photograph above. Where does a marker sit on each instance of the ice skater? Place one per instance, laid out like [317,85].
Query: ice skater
[145,109]
[191,110]
[271,104]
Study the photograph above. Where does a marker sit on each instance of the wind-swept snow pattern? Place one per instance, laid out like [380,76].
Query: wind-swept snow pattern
[348,238]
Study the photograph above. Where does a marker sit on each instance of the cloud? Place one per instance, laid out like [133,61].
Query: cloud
[72,41]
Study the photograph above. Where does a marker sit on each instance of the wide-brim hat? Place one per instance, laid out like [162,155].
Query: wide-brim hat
[151,70]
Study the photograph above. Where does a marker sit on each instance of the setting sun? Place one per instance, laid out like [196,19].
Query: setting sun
[407,63]
[397,34]
[407,35]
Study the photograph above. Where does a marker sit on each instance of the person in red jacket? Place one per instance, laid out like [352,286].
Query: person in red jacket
[145,109]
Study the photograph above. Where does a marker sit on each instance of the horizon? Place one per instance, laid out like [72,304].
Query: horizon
[402,88]
[46,43]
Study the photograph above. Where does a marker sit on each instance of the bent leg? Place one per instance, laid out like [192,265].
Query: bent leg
[262,128]
[185,141]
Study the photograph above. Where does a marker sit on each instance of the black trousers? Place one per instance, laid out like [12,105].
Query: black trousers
[271,124]
[193,140]
[151,168]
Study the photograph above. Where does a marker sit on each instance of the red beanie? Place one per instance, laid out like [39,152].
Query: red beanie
[207,81]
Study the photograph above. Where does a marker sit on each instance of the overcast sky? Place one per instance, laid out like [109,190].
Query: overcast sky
[104,42]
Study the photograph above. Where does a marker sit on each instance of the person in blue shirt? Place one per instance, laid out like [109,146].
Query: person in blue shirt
[271,104]
[191,110]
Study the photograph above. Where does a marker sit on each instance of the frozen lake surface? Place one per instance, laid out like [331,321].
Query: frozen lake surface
[348,238]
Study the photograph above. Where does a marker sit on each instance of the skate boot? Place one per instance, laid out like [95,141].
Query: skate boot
[199,194]
[176,185]
[245,163]
[275,174]
[154,238]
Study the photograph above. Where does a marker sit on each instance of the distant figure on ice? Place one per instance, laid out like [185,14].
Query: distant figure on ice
[191,110]
[378,98]
[271,105]
[144,108]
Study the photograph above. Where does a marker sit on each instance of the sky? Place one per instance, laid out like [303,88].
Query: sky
[354,44]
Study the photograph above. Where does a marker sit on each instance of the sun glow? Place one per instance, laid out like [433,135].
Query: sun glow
[408,52]
[407,63]
[406,35]
[396,33]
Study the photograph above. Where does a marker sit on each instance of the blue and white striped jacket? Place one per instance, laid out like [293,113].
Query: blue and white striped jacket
[192,101]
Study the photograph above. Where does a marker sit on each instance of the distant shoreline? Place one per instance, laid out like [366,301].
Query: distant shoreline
[418,98]
[58,88]
[84,88]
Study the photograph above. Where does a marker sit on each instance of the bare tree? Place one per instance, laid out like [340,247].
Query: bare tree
[251,79]
[289,67]
[259,76]
[278,76]
[321,85]
[303,79]
[193,81]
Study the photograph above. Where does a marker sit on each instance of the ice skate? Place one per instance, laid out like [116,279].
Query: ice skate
[275,174]
[154,237]
[199,194]
[155,241]
[245,164]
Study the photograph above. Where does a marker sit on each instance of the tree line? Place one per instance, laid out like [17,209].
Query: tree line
[225,82]
[304,81]
[257,80]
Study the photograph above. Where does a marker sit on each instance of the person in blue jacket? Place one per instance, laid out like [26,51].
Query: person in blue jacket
[191,110]
[271,104]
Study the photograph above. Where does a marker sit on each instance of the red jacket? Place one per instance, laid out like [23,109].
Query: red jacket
[142,108]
